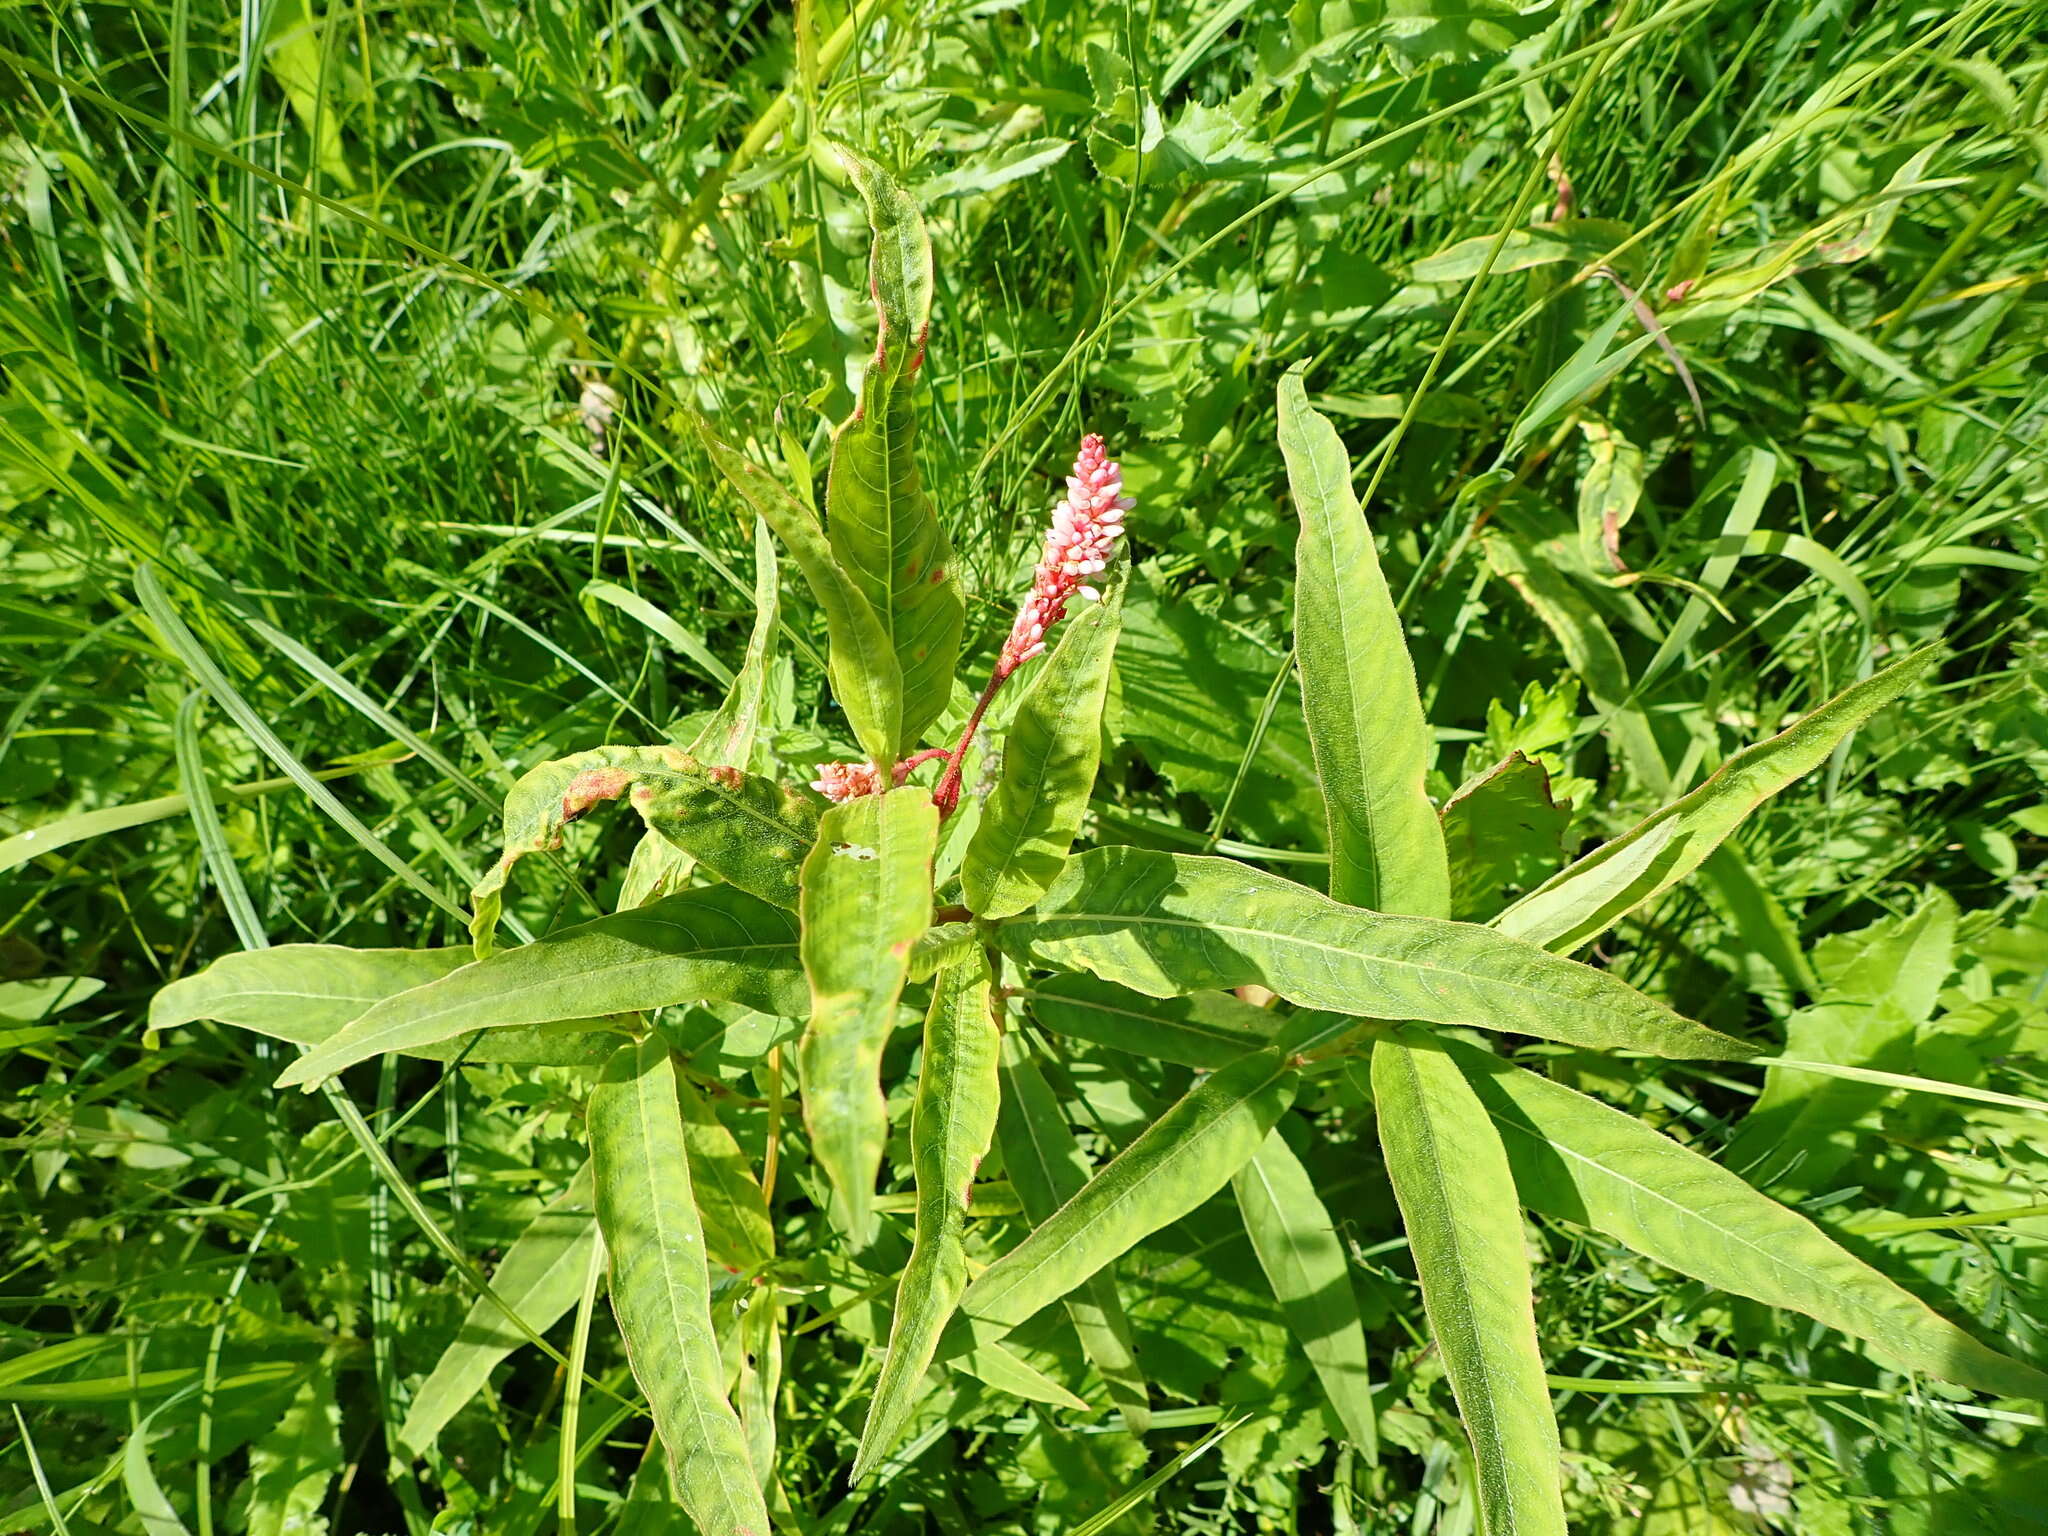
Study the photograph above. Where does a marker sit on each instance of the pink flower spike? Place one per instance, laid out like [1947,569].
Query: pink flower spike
[840,782]
[1083,535]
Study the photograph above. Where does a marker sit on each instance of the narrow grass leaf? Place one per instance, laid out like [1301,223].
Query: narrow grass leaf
[1456,1193]
[1372,745]
[1579,1159]
[866,897]
[1167,923]
[1592,895]
[1305,1263]
[712,943]
[1050,754]
[679,639]
[661,1288]
[953,1122]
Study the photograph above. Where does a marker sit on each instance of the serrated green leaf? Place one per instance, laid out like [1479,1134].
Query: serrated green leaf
[1167,923]
[1202,1029]
[1047,1168]
[293,1464]
[717,943]
[1298,1247]
[1373,748]
[866,677]
[953,1122]
[867,896]
[1455,1190]
[883,530]
[1050,754]
[750,831]
[1592,895]
[1179,1161]
[661,1288]
[307,993]
[1579,1159]
[540,1277]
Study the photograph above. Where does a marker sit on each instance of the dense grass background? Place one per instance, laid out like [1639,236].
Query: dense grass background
[366,329]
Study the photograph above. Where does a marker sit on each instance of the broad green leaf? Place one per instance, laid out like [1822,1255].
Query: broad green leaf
[1456,1193]
[1047,1168]
[953,1122]
[1372,745]
[867,896]
[661,1288]
[1167,923]
[540,1276]
[1202,1029]
[307,993]
[714,943]
[294,1463]
[866,678]
[1579,1159]
[727,739]
[751,832]
[1304,1260]
[737,1229]
[883,530]
[1592,895]
[1050,754]
[1502,829]
[1179,1161]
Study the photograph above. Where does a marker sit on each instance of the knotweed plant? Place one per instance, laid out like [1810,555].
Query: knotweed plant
[818,913]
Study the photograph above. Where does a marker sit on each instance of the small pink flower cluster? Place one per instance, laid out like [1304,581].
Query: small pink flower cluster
[1085,528]
[840,782]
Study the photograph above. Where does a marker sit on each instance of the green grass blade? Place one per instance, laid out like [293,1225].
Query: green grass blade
[727,739]
[1456,1196]
[661,1288]
[1372,745]
[1164,923]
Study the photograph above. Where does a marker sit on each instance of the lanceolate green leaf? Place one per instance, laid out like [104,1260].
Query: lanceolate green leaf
[1456,1194]
[953,1122]
[540,1276]
[867,896]
[866,679]
[1202,1029]
[880,522]
[1050,754]
[308,993]
[737,1230]
[661,1288]
[1180,1160]
[1591,896]
[1304,1260]
[1047,1168]
[1576,1158]
[714,943]
[727,739]
[1365,723]
[1166,923]
[750,831]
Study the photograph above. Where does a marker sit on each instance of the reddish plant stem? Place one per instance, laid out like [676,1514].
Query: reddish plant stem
[947,795]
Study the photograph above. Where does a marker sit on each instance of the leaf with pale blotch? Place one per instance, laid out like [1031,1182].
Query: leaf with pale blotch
[713,944]
[1581,1160]
[751,832]
[1169,923]
[1178,1162]
[737,1229]
[661,1288]
[1372,745]
[727,739]
[1594,894]
[1201,1029]
[953,1121]
[1456,1193]
[866,677]
[1305,1263]
[883,530]
[1047,1168]
[308,993]
[540,1277]
[1050,753]
[867,896]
